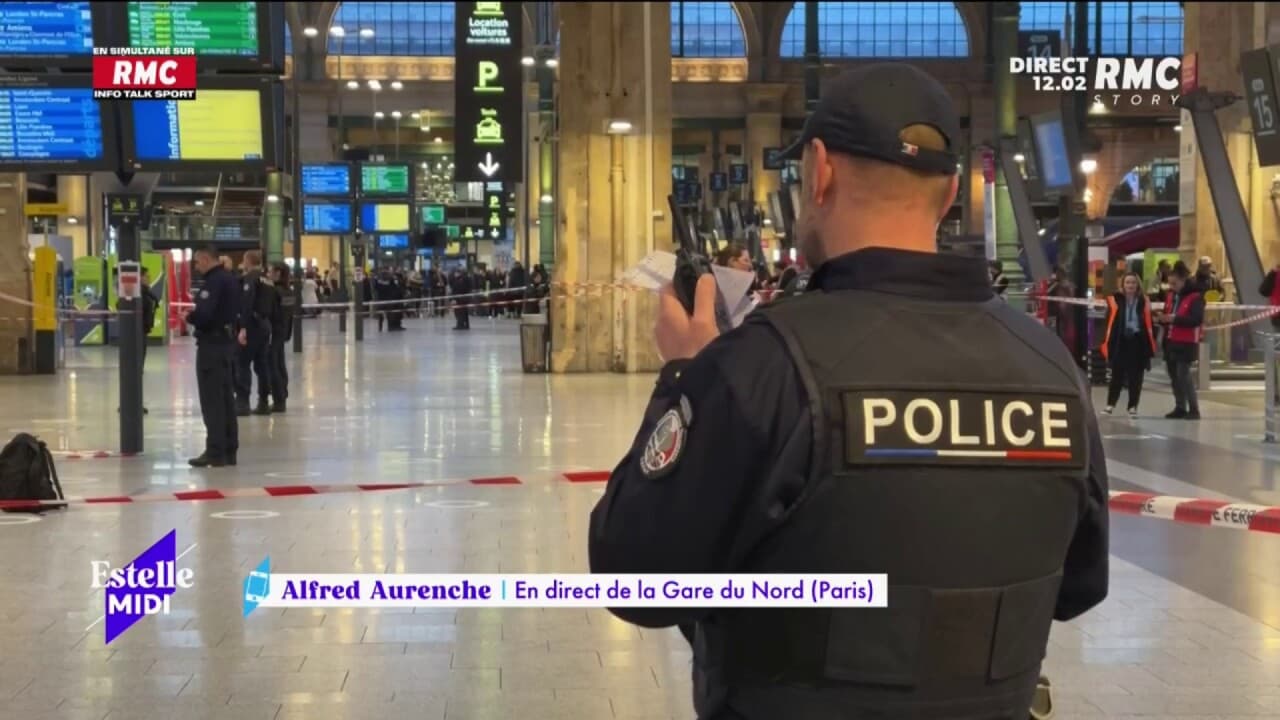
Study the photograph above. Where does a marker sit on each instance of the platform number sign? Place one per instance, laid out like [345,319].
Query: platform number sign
[488,92]
[1039,43]
[1260,94]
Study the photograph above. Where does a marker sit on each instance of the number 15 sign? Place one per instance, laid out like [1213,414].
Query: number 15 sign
[1258,67]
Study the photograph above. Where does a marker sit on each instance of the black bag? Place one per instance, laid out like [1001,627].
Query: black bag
[27,473]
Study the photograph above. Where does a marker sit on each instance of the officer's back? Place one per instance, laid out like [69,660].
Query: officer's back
[896,418]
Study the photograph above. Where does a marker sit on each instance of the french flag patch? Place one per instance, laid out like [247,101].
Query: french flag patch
[909,149]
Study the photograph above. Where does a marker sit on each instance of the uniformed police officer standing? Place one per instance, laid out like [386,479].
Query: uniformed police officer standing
[257,307]
[214,318]
[895,418]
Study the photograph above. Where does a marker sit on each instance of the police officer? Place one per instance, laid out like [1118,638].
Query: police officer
[214,318]
[895,418]
[281,333]
[257,306]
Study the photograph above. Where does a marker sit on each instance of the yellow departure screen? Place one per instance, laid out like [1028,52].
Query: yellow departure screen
[217,125]
[221,125]
[384,217]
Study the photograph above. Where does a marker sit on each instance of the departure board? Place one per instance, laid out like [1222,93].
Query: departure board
[50,125]
[332,179]
[210,28]
[385,180]
[384,217]
[45,28]
[219,125]
[390,242]
[327,218]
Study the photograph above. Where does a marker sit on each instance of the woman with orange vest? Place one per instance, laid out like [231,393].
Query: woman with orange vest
[1129,343]
[1184,316]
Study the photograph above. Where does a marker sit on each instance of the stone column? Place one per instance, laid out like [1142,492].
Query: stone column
[15,275]
[1218,33]
[611,188]
[73,191]
[764,129]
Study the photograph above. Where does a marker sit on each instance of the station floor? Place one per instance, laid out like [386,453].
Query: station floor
[1191,627]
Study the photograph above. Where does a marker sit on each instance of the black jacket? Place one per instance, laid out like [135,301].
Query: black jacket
[746,483]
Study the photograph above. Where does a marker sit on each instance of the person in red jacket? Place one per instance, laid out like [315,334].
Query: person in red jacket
[1129,343]
[1184,316]
[1271,290]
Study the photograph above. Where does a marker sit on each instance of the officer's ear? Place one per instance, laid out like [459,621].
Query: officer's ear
[819,173]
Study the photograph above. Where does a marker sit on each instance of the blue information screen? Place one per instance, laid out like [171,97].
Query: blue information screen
[326,179]
[393,241]
[45,28]
[1051,148]
[50,125]
[327,218]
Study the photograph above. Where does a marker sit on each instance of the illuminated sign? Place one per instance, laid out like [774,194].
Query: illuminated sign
[488,87]
[495,215]
[738,174]
[433,215]
[719,182]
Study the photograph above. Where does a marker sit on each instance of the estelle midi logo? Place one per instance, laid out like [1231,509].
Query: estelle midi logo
[143,587]
[144,74]
[1110,81]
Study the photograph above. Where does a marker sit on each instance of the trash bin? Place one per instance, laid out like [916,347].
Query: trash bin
[533,343]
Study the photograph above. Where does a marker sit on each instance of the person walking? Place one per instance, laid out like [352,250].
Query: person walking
[1129,342]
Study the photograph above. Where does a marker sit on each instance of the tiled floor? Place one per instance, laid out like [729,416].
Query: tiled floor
[1192,627]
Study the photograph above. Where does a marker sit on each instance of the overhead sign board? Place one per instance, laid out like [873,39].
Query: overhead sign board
[1260,94]
[488,92]
[773,159]
[738,174]
[719,181]
[1039,43]
[122,206]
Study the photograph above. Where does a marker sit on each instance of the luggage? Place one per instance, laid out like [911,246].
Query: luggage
[27,473]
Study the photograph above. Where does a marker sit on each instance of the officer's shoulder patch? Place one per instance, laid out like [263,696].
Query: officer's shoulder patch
[247,286]
[204,294]
[1000,427]
[665,444]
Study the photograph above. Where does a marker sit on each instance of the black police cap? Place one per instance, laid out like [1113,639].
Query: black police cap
[863,111]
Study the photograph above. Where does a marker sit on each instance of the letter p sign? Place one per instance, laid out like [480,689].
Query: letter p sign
[487,77]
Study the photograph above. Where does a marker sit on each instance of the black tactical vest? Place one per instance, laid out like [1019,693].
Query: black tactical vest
[951,453]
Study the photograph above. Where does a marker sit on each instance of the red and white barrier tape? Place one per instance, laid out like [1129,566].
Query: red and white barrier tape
[273,491]
[1213,513]
[90,454]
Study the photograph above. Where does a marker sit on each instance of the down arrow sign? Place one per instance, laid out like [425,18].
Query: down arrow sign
[489,167]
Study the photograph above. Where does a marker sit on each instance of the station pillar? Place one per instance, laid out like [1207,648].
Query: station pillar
[1004,44]
[1217,33]
[764,130]
[615,65]
[15,277]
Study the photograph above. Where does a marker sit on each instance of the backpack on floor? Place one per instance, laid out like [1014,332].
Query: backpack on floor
[27,473]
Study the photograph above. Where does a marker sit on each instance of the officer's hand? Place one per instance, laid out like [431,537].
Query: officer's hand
[679,335]
[243,337]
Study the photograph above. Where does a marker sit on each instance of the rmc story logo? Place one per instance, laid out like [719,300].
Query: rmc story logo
[1110,81]
[142,587]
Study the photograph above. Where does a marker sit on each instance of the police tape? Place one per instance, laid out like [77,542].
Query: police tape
[1211,513]
[91,454]
[269,491]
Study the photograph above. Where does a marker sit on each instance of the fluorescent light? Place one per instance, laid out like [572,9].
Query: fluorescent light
[72,220]
[415,115]
[547,199]
[619,127]
[337,31]
[439,139]
[366,32]
[353,85]
[199,203]
[1177,128]
[1088,166]
[397,85]
[379,115]
[395,114]
[1019,157]
[551,62]
[1097,108]
[310,31]
[424,166]
[425,128]
[526,61]
[273,198]
[375,85]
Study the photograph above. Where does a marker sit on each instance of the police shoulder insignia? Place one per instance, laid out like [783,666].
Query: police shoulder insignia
[247,286]
[666,442]
[204,294]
